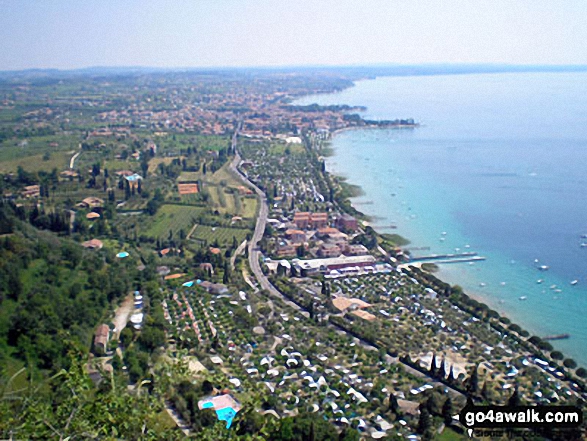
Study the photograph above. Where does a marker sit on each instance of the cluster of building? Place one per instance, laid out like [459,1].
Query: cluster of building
[334,254]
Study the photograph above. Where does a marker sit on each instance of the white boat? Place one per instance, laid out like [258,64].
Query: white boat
[574,282]
[583,244]
[539,281]
[482,284]
[523,298]
[543,267]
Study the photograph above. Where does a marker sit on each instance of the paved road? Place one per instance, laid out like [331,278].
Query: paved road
[255,254]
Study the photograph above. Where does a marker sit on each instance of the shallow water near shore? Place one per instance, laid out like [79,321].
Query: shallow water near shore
[498,167]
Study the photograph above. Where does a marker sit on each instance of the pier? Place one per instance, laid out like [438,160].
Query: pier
[467,254]
[449,258]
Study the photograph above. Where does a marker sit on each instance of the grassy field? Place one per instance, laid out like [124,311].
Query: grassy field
[174,218]
[188,176]
[279,149]
[154,163]
[37,146]
[58,160]
[224,236]
[115,165]
[249,207]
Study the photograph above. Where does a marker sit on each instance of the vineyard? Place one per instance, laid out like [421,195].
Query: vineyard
[174,218]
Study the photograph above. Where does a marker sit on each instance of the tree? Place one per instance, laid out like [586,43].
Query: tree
[433,365]
[514,400]
[393,404]
[424,422]
[442,369]
[447,411]
[473,381]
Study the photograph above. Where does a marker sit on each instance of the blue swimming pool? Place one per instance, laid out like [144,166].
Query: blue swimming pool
[227,414]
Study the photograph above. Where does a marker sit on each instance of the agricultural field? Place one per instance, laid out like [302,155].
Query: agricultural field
[249,207]
[179,141]
[154,162]
[188,176]
[174,218]
[35,163]
[223,236]
[11,150]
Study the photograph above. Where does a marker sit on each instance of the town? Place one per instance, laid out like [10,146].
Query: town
[181,234]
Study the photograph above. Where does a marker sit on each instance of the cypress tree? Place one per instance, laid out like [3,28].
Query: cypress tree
[447,411]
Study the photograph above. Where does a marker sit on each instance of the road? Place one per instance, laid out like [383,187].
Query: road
[255,255]
[254,251]
[73,158]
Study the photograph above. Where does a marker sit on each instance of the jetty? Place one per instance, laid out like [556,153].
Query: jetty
[467,254]
[557,337]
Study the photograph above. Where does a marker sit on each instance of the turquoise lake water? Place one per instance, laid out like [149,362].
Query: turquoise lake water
[499,165]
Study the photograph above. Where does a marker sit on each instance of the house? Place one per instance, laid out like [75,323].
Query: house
[70,174]
[101,338]
[304,220]
[296,236]
[319,220]
[286,250]
[93,244]
[329,232]
[329,250]
[355,250]
[91,202]
[31,191]
[347,223]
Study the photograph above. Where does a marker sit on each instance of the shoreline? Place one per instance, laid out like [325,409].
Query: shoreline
[440,274]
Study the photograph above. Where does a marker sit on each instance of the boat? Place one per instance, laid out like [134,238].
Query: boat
[583,244]
[523,297]
[574,282]
[539,281]
[543,267]
[583,236]
[482,284]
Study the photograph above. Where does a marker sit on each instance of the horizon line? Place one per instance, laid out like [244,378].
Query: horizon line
[293,67]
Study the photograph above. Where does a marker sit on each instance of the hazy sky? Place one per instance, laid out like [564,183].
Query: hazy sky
[196,33]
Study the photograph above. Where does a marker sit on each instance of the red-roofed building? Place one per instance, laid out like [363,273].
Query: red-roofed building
[296,236]
[304,220]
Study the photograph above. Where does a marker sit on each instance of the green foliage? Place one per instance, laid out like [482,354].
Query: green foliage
[51,289]
[69,406]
